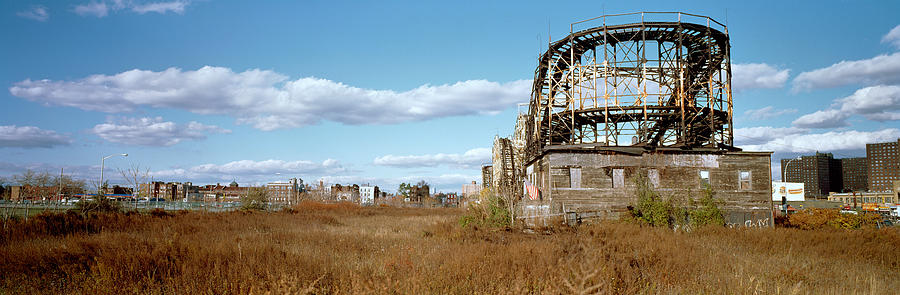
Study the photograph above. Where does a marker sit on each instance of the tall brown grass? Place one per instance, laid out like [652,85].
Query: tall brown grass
[343,248]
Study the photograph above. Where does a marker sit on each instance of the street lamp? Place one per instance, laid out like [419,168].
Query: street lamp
[101,168]
[788,164]
[785,172]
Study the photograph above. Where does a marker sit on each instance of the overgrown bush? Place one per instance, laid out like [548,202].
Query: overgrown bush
[651,208]
[707,212]
[255,199]
[491,211]
[654,210]
[101,204]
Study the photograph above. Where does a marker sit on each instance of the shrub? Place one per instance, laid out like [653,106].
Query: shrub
[491,211]
[810,219]
[100,205]
[256,199]
[708,212]
[652,209]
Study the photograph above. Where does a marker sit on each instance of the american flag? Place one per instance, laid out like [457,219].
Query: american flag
[533,193]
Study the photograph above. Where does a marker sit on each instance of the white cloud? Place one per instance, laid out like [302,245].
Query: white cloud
[882,69]
[823,119]
[37,12]
[98,9]
[161,7]
[757,75]
[444,182]
[249,170]
[31,137]
[470,159]
[764,134]
[878,103]
[102,8]
[828,141]
[892,37]
[153,131]
[268,100]
[767,112]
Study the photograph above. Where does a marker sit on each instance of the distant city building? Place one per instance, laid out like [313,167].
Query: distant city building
[284,192]
[169,191]
[471,189]
[220,193]
[884,165]
[418,192]
[854,172]
[348,193]
[820,173]
[451,200]
[367,195]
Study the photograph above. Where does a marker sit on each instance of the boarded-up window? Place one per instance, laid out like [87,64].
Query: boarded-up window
[744,180]
[575,177]
[560,177]
[653,175]
[618,178]
[704,178]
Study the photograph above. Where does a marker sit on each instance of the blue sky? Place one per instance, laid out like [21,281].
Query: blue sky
[388,91]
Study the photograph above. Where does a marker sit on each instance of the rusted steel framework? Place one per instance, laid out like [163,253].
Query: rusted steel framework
[655,79]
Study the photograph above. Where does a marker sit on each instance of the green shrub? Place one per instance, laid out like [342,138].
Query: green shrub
[491,211]
[652,209]
[707,212]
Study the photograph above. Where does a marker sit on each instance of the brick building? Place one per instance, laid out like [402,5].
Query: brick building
[285,192]
[169,191]
[820,174]
[884,165]
[854,172]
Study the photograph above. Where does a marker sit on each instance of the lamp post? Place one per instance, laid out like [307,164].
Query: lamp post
[101,169]
[784,198]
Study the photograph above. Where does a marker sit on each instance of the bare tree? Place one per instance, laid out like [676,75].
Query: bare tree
[135,176]
[34,183]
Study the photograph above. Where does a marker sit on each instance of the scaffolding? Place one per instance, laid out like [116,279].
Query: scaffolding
[648,79]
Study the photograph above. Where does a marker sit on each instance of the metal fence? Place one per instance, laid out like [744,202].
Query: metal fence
[25,209]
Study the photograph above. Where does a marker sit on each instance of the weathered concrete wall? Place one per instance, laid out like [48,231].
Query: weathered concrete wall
[606,188]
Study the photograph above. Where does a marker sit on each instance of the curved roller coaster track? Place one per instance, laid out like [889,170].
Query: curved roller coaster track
[649,79]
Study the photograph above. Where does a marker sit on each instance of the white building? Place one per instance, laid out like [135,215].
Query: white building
[367,195]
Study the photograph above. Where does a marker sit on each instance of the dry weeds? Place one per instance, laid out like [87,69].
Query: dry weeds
[341,249]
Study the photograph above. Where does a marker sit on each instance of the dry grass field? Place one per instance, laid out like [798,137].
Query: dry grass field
[344,249]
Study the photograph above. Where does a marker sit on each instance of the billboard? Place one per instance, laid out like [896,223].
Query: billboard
[793,191]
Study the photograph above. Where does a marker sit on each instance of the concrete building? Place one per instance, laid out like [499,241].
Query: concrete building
[854,172]
[471,189]
[367,195]
[884,165]
[820,173]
